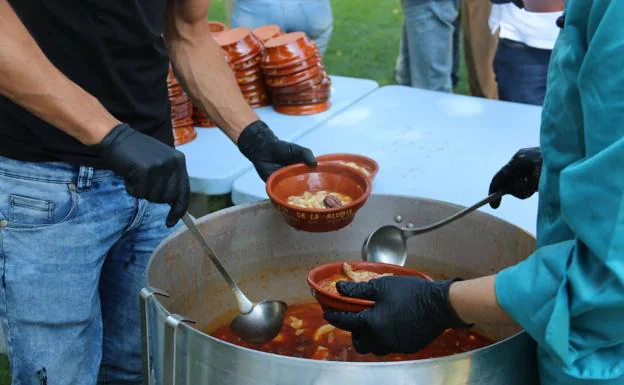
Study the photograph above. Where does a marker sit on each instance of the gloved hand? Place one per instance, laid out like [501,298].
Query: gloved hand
[151,170]
[520,176]
[517,3]
[267,153]
[409,313]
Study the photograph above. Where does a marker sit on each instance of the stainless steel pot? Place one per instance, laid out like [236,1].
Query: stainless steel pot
[271,260]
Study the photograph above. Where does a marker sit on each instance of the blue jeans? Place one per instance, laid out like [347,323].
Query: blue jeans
[314,17]
[521,72]
[429,50]
[74,247]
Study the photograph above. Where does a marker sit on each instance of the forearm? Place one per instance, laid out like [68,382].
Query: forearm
[203,72]
[30,80]
[475,301]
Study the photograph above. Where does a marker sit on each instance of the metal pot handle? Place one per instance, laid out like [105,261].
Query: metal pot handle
[145,300]
[172,325]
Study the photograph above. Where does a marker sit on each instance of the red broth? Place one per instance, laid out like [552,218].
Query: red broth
[305,334]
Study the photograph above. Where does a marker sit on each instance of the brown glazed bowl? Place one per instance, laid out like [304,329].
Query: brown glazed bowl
[239,44]
[293,79]
[257,86]
[371,166]
[318,83]
[302,98]
[303,109]
[303,65]
[287,49]
[329,300]
[299,178]
[267,32]
[217,27]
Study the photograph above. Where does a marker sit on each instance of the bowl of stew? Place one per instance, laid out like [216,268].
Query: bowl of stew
[365,164]
[322,282]
[318,199]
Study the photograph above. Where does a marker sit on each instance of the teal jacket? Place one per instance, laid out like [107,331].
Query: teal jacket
[569,295]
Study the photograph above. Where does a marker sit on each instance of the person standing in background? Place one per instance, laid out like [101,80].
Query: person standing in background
[526,40]
[314,17]
[429,51]
[479,48]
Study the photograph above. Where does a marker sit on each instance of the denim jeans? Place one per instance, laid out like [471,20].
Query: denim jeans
[521,72]
[429,50]
[314,17]
[74,247]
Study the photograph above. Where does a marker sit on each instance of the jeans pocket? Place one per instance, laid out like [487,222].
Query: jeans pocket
[318,18]
[34,204]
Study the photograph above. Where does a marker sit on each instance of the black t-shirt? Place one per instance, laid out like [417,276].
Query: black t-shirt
[113,49]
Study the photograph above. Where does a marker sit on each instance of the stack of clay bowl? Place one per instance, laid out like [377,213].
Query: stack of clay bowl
[244,51]
[181,111]
[267,32]
[295,75]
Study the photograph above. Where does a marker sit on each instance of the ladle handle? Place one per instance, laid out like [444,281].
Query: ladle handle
[244,304]
[411,232]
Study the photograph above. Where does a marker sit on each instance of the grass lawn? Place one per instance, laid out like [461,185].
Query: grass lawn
[364,44]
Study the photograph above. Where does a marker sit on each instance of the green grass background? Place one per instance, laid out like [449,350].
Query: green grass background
[364,44]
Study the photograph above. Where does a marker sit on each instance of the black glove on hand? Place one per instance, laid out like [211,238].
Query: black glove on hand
[151,170]
[267,153]
[409,313]
[520,176]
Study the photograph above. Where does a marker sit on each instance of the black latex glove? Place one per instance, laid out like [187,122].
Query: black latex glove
[520,176]
[518,3]
[267,153]
[409,313]
[151,170]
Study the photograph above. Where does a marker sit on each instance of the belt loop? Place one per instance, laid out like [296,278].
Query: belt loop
[85,175]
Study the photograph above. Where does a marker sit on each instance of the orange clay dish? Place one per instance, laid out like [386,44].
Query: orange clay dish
[349,275]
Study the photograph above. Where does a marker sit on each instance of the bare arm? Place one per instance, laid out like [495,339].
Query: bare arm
[201,68]
[475,301]
[42,89]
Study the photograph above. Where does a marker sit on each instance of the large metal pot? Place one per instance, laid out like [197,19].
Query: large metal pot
[271,260]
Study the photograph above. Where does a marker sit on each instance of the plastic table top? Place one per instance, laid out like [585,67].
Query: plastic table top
[214,162]
[428,144]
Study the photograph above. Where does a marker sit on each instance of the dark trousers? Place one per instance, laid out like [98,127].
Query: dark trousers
[521,72]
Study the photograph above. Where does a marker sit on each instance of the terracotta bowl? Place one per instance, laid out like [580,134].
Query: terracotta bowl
[304,109]
[239,43]
[267,32]
[363,161]
[329,300]
[256,96]
[302,98]
[299,178]
[217,27]
[300,66]
[293,79]
[248,63]
[253,86]
[287,49]
[318,83]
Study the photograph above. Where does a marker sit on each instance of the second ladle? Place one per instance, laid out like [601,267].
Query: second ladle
[388,244]
[257,322]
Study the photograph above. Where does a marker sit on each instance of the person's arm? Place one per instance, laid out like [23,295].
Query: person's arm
[475,301]
[30,80]
[201,69]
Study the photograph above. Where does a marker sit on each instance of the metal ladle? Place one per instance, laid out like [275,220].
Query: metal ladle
[257,322]
[388,244]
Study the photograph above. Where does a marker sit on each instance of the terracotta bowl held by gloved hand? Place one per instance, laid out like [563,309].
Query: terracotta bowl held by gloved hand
[328,176]
[329,300]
